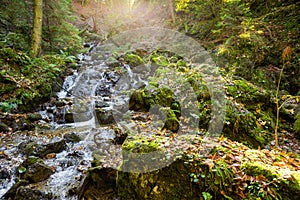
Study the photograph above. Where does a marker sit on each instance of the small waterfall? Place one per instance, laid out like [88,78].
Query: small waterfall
[67,86]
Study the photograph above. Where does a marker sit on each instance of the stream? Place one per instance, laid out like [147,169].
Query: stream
[86,117]
[81,95]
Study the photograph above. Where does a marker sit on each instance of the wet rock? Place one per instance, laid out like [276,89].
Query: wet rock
[34,170]
[69,117]
[103,90]
[4,174]
[54,147]
[30,161]
[22,124]
[10,194]
[27,193]
[32,148]
[120,137]
[72,137]
[104,116]
[100,183]
[37,172]
[27,148]
[101,104]
[112,62]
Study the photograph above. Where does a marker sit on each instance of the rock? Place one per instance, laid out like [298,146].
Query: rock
[10,194]
[99,183]
[27,193]
[247,93]
[37,172]
[54,147]
[172,122]
[30,161]
[167,183]
[138,100]
[4,174]
[27,148]
[121,135]
[139,145]
[34,170]
[72,137]
[68,116]
[104,116]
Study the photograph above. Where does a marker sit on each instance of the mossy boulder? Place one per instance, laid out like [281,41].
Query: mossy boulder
[230,170]
[172,121]
[253,128]
[143,99]
[133,60]
[139,145]
[247,93]
[287,181]
[34,170]
[264,78]
[171,182]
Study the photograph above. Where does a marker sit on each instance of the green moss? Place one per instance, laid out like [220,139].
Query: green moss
[258,168]
[140,145]
[253,128]
[159,60]
[164,96]
[246,92]
[172,122]
[134,60]
[288,181]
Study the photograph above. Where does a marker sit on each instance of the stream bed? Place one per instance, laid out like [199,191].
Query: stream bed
[90,117]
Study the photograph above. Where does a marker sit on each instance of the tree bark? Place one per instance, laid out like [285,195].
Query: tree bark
[37,27]
[171,10]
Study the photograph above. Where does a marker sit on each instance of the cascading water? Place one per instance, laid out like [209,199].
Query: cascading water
[80,94]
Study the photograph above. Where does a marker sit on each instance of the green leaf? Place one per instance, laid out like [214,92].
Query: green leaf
[22,170]
[206,195]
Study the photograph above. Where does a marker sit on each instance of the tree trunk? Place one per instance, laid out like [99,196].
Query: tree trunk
[171,10]
[37,27]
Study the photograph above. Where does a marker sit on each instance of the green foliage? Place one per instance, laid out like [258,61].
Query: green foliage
[207,196]
[24,81]
[58,31]
[8,106]
[15,23]
[246,34]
